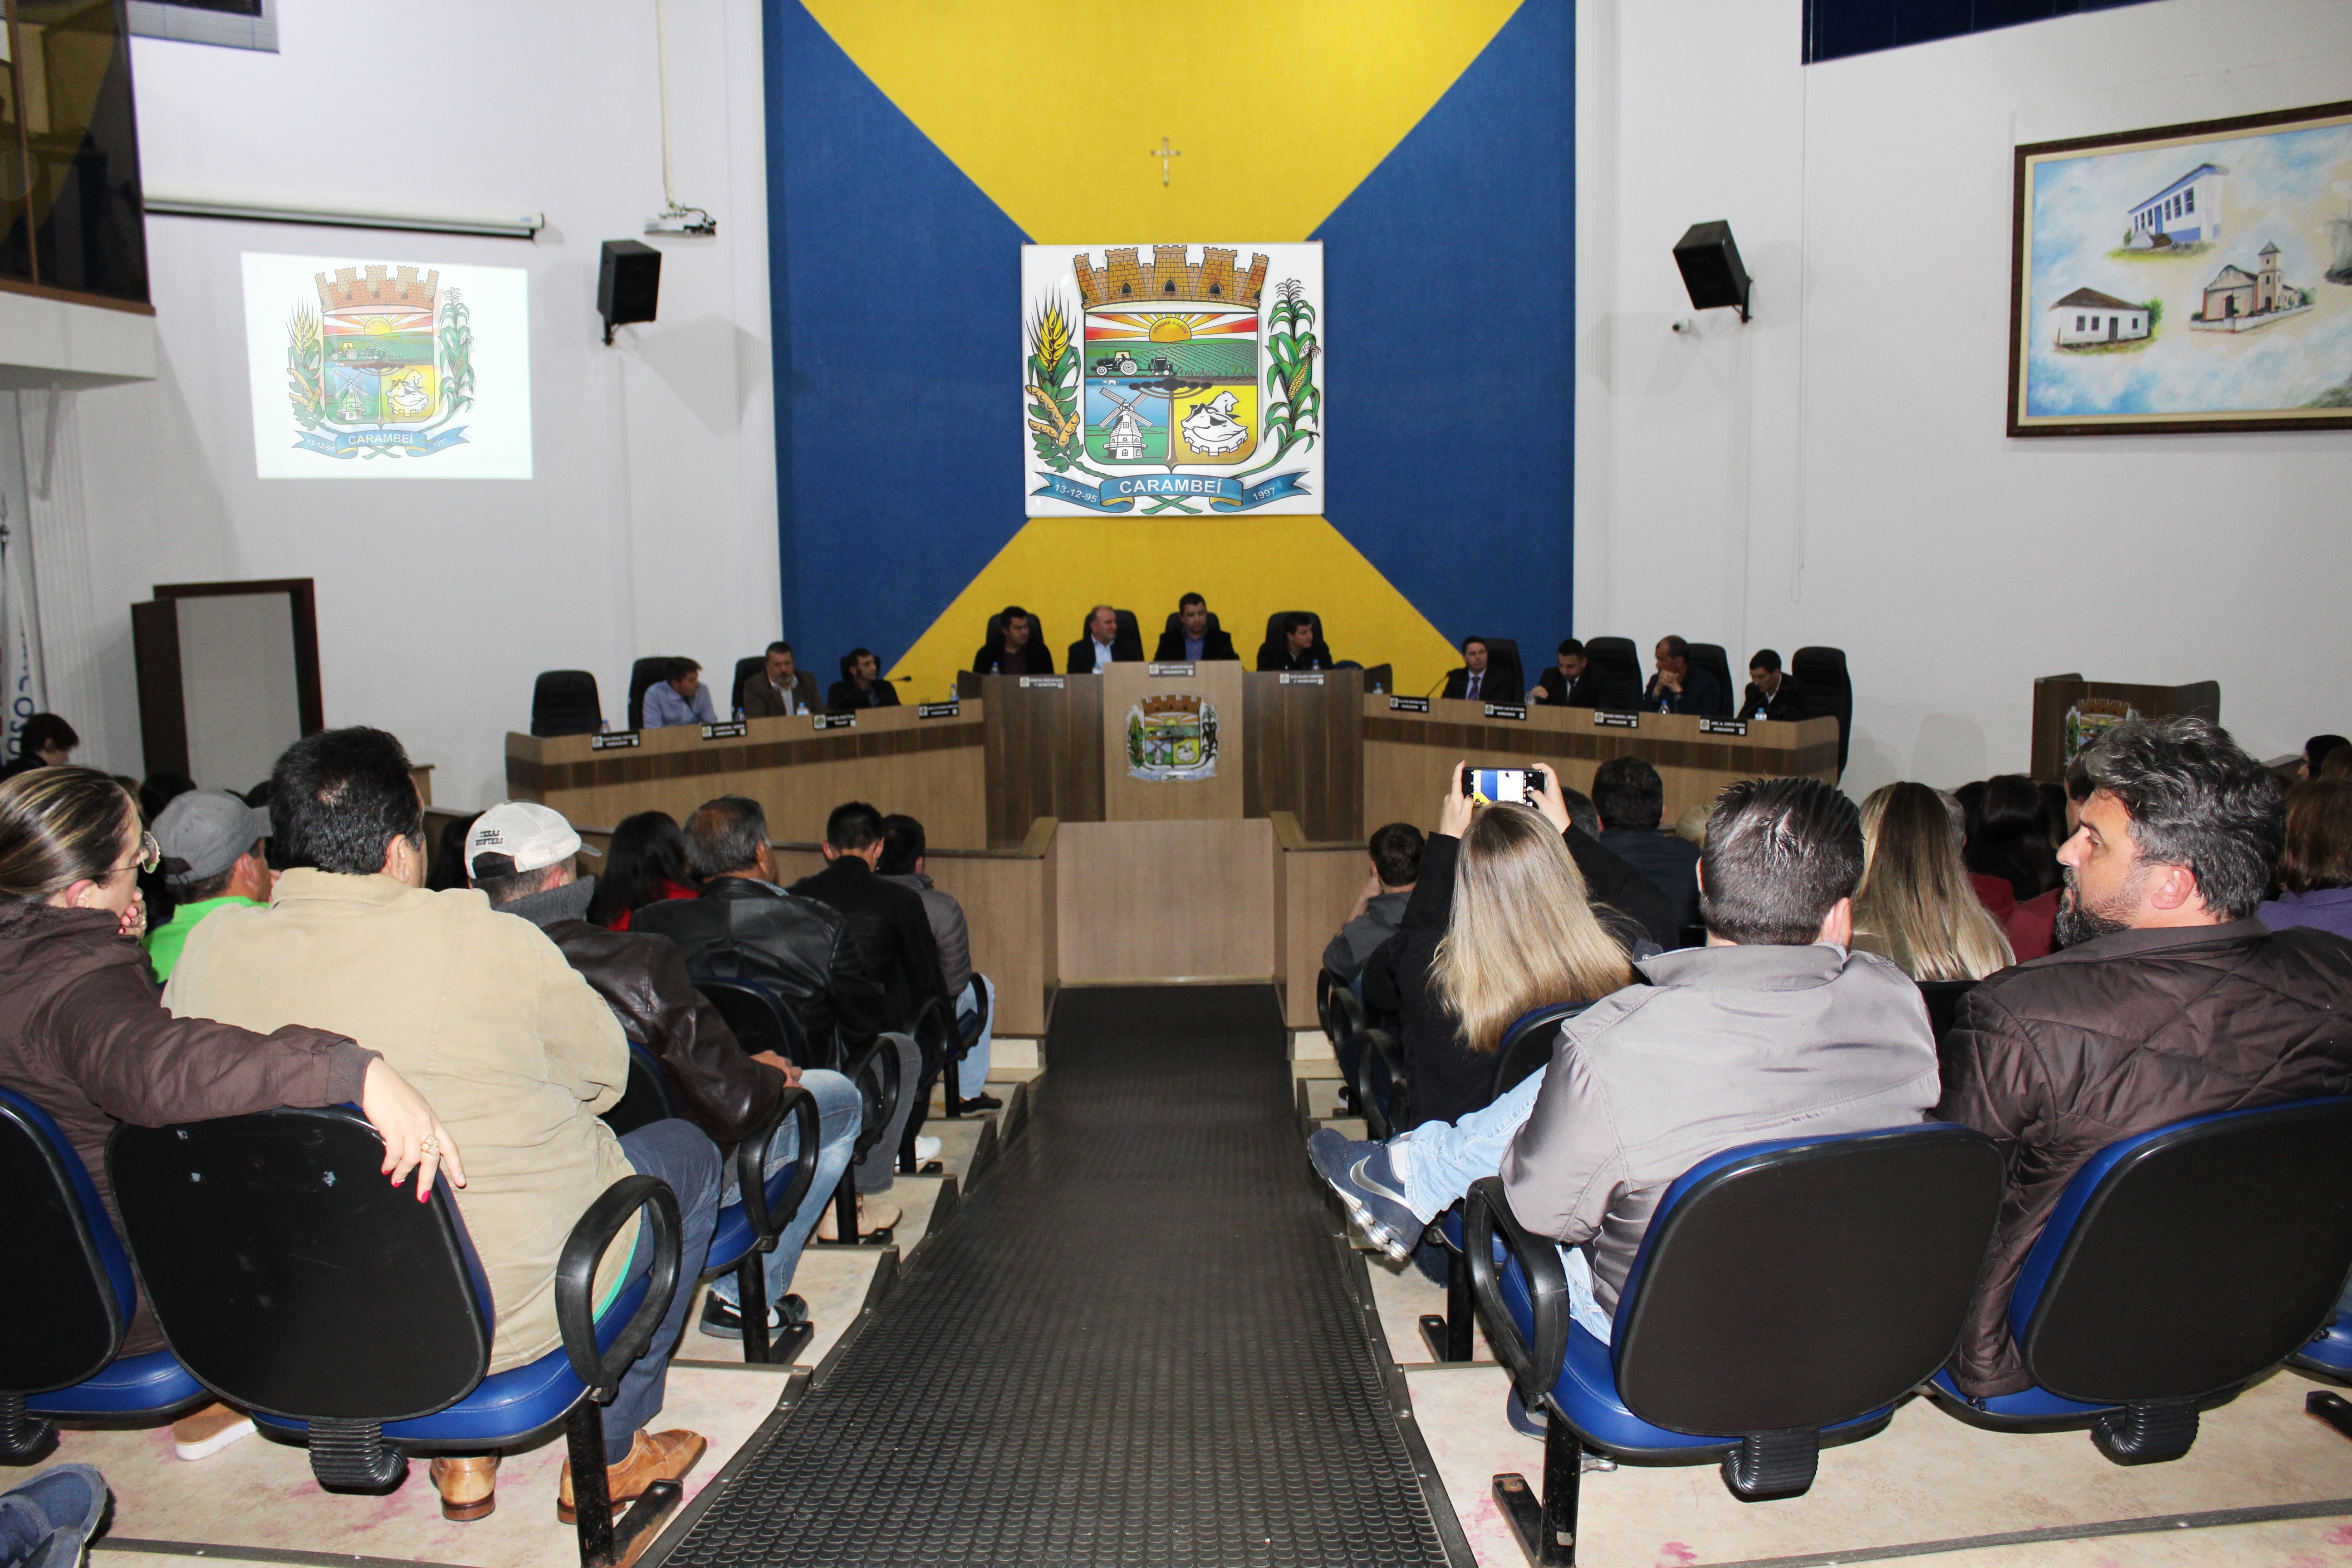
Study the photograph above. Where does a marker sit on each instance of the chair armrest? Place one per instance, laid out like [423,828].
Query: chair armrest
[751,1166]
[1379,1126]
[575,1280]
[1487,1215]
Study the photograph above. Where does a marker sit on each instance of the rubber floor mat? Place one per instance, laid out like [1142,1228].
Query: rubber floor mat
[1136,1343]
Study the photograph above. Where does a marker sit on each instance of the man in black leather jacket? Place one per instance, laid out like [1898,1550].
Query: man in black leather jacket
[745,927]
[523,856]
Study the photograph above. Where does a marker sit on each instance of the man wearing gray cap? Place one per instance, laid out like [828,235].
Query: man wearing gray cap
[212,855]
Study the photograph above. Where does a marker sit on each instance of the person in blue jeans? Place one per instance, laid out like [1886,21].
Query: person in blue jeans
[840,1110]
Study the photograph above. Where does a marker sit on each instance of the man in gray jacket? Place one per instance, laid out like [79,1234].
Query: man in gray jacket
[1774,1029]
[1380,908]
[904,845]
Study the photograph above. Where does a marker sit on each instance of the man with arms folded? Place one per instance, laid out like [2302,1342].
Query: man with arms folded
[745,927]
[212,856]
[1677,688]
[1191,640]
[778,690]
[524,858]
[2168,999]
[1774,1029]
[678,699]
[1102,645]
[515,1051]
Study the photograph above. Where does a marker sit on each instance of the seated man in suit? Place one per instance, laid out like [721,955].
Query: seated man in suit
[679,699]
[1016,650]
[861,685]
[745,927]
[1476,681]
[1296,650]
[1631,798]
[1102,644]
[1773,695]
[1570,682]
[778,690]
[1192,640]
[1677,688]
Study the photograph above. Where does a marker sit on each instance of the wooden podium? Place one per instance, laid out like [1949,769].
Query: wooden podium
[2070,711]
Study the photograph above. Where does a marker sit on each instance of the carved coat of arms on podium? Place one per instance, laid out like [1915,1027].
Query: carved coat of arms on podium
[1172,739]
[1188,382]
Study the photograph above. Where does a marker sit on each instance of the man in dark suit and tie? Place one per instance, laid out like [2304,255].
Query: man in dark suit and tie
[1572,682]
[1773,695]
[1477,680]
[1192,640]
[1679,688]
[1102,644]
[778,690]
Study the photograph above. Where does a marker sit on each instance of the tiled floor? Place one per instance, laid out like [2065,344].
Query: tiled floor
[259,1494]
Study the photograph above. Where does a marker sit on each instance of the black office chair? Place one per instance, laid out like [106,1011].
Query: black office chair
[744,669]
[1823,669]
[1786,1296]
[564,702]
[2126,1334]
[644,676]
[1503,657]
[1130,631]
[647,1099]
[1710,657]
[1615,660]
[996,632]
[1275,648]
[297,1283]
[762,1021]
[1383,1087]
[1380,677]
[68,1298]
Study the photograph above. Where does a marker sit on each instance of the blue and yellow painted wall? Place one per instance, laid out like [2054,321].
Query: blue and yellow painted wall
[915,146]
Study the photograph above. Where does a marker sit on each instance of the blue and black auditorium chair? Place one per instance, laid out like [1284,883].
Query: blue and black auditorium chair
[1786,1297]
[1525,1045]
[66,1298]
[293,1280]
[2180,1265]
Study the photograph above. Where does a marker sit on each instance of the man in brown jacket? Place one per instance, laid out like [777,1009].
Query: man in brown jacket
[515,1050]
[2166,1000]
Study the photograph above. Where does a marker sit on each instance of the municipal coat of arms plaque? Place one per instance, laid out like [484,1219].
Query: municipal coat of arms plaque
[1189,383]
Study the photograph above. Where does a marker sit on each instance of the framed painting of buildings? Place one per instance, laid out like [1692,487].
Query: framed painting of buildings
[2185,277]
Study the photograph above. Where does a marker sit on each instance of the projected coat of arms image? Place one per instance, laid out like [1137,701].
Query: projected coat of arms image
[384,369]
[1189,381]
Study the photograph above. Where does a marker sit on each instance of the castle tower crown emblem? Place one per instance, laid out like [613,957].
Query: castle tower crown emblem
[1169,277]
[1164,708]
[381,288]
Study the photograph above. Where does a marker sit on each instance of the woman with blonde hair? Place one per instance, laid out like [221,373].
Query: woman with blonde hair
[1916,904]
[1502,921]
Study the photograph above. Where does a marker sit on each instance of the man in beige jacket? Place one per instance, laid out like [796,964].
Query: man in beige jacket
[513,1047]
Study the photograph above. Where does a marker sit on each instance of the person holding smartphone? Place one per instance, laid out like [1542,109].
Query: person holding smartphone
[1527,914]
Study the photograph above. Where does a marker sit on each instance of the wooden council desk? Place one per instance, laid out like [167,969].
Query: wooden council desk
[1073,871]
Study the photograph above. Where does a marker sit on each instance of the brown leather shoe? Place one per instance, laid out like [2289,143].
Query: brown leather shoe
[468,1484]
[653,1457]
[873,1219]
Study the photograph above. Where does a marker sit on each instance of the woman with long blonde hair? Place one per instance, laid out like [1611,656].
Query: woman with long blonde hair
[1916,904]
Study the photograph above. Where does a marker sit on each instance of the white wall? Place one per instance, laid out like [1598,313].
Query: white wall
[650,526]
[1837,472]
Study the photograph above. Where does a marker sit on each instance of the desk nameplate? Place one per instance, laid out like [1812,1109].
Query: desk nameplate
[833,721]
[1408,704]
[939,709]
[1604,720]
[616,740]
[1177,671]
[733,730]
[1302,678]
[1723,726]
[1042,682]
[1507,710]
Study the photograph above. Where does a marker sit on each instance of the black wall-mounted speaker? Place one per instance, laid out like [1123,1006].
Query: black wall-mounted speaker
[628,283]
[1712,272]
